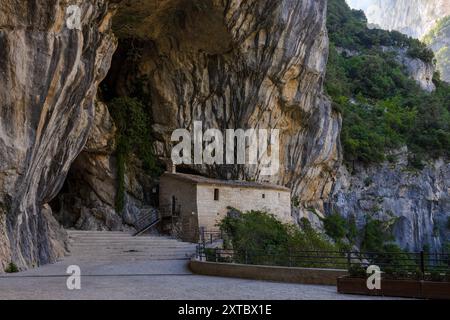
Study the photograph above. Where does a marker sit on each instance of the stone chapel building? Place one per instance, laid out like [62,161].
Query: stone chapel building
[198,202]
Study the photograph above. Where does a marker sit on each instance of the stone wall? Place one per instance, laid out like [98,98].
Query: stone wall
[199,209]
[185,194]
[210,211]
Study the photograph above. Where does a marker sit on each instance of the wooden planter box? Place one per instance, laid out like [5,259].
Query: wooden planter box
[436,290]
[396,288]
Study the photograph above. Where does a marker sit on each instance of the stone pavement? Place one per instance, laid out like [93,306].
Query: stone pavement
[117,266]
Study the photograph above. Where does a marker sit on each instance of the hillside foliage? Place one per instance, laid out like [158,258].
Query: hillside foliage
[383,109]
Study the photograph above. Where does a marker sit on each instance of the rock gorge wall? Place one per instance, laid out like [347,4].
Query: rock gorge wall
[415,202]
[48,81]
[230,64]
[416,18]
[439,41]
[235,64]
[412,17]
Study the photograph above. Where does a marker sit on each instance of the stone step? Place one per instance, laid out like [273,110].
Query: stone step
[128,240]
[129,249]
[124,238]
[88,233]
[105,237]
[124,257]
[131,241]
[121,247]
[120,259]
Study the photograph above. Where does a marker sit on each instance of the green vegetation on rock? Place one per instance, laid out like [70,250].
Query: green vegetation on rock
[438,40]
[259,238]
[343,231]
[133,138]
[383,109]
[11,268]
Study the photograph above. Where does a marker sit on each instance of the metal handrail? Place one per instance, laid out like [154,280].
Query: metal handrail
[401,262]
[146,222]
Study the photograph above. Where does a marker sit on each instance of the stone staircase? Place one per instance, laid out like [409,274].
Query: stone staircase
[96,246]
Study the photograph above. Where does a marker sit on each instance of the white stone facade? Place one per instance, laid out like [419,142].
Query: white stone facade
[203,202]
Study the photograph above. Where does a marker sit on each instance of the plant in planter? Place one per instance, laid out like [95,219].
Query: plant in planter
[417,274]
[357,271]
[436,276]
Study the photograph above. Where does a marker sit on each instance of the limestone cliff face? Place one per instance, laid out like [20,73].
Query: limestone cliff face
[237,64]
[438,39]
[418,70]
[412,17]
[229,63]
[48,81]
[416,203]
[416,18]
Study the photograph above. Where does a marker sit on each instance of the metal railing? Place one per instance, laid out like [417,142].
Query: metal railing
[416,264]
[148,218]
[210,236]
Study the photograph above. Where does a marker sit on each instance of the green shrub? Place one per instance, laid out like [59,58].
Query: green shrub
[436,276]
[259,238]
[417,274]
[335,226]
[12,268]
[357,271]
[375,235]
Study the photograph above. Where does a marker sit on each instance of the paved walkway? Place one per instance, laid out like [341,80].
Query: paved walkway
[135,269]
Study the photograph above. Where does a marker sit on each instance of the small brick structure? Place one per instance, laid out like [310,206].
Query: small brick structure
[200,202]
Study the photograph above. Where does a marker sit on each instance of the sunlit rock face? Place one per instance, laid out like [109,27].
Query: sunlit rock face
[412,17]
[416,18]
[231,64]
[237,64]
[438,39]
[48,81]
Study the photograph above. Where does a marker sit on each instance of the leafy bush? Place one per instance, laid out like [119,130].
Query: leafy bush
[259,238]
[12,268]
[343,231]
[335,226]
[375,236]
[417,274]
[436,276]
[357,271]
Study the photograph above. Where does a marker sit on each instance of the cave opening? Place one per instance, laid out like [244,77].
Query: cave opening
[152,50]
